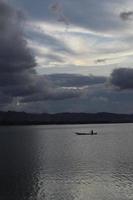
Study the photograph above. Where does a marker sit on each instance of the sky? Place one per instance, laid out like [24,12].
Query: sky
[66,56]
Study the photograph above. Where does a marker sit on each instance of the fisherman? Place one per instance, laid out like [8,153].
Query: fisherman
[92,132]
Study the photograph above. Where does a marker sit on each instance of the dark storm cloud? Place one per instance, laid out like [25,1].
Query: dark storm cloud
[5,98]
[53,94]
[96,98]
[16,60]
[126,15]
[14,54]
[48,90]
[17,64]
[74,80]
[122,78]
[62,87]
[12,79]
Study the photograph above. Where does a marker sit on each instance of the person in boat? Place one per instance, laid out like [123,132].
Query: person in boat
[92,132]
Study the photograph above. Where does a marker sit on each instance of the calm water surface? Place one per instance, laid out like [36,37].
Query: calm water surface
[52,163]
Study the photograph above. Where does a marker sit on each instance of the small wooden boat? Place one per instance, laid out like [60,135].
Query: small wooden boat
[91,133]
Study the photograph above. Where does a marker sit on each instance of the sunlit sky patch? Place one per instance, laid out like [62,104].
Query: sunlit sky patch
[84,34]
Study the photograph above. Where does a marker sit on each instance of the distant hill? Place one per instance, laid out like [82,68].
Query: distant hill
[22,118]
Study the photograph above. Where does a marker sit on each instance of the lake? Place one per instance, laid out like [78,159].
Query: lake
[52,163]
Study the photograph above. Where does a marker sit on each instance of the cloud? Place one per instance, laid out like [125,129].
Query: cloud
[48,90]
[42,39]
[116,58]
[95,30]
[74,80]
[57,9]
[53,94]
[94,98]
[16,60]
[19,79]
[100,17]
[101,60]
[122,78]
[125,16]
[78,46]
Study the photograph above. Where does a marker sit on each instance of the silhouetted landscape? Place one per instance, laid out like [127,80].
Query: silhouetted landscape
[22,118]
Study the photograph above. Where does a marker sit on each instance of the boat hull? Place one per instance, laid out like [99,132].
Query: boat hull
[86,133]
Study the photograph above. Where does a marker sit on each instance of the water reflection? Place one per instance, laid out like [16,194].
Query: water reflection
[122,179]
[52,163]
[19,164]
